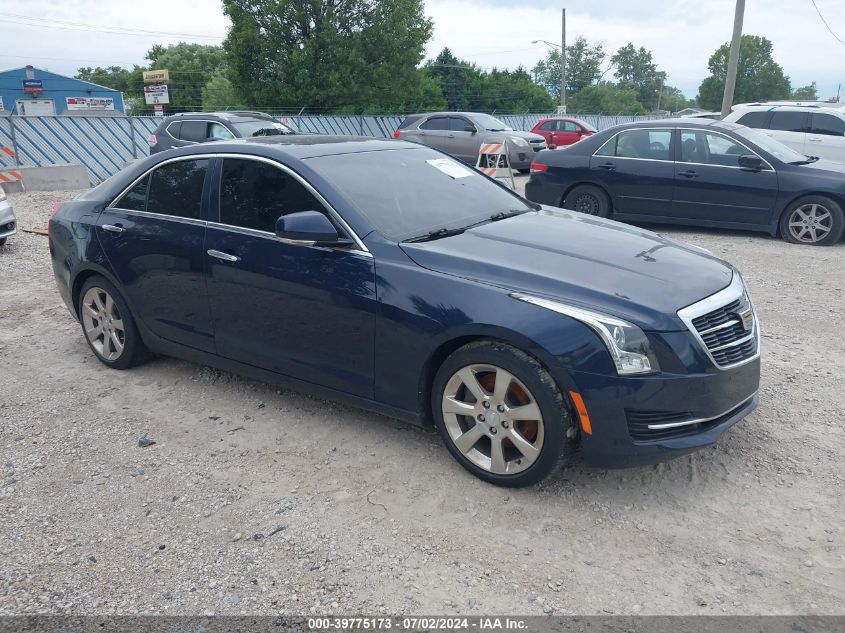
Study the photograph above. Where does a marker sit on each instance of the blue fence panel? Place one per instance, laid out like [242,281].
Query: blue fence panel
[7,158]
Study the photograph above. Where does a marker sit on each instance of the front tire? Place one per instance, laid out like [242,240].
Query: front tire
[814,220]
[501,414]
[108,326]
[588,199]
[3,240]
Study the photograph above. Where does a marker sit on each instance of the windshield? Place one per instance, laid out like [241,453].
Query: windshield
[411,192]
[261,128]
[491,123]
[768,144]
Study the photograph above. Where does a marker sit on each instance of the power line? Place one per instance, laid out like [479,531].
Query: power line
[838,39]
[50,23]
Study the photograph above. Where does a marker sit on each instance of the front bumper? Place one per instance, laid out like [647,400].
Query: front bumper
[521,157]
[8,223]
[622,409]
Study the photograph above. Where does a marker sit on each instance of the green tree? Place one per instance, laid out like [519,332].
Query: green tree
[458,79]
[342,55]
[218,94]
[635,69]
[191,66]
[759,77]
[583,67]
[805,93]
[606,98]
[673,99]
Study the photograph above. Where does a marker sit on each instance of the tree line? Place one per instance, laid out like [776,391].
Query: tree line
[359,56]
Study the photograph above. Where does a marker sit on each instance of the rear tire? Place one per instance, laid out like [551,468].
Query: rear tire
[590,200]
[108,325]
[501,414]
[813,220]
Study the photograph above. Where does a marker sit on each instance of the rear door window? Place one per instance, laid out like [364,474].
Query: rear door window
[827,124]
[645,144]
[254,194]
[436,123]
[176,189]
[789,121]
[136,198]
[194,131]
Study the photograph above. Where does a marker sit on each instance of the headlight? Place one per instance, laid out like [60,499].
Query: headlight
[518,140]
[627,344]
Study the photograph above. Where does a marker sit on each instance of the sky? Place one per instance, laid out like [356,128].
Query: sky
[681,33]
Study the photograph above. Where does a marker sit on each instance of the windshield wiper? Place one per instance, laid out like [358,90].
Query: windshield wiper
[502,215]
[806,161]
[436,235]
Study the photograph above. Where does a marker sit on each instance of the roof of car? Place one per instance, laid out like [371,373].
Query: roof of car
[228,115]
[680,122]
[766,107]
[302,146]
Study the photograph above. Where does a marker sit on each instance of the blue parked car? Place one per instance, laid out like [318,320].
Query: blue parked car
[696,172]
[391,276]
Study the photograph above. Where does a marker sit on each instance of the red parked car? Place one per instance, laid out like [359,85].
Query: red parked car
[560,131]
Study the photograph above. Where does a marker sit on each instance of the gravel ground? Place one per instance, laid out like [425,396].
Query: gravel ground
[258,500]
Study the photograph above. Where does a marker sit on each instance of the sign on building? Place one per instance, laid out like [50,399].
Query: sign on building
[89,103]
[156,94]
[156,76]
[32,86]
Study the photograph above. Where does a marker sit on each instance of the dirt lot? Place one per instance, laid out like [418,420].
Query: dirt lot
[257,500]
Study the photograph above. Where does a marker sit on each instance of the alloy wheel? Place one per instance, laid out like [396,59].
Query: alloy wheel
[103,324]
[493,419]
[810,223]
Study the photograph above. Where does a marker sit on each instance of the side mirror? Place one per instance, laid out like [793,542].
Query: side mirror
[471,129]
[750,162]
[310,228]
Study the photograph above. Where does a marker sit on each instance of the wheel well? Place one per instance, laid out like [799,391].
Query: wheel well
[840,200]
[443,352]
[78,282]
[591,184]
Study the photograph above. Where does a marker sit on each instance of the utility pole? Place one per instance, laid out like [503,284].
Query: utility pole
[733,60]
[563,61]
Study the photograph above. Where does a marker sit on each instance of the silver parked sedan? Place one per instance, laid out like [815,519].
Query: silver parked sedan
[8,223]
[461,134]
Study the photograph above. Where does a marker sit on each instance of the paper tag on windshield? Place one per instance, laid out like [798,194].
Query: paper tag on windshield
[450,167]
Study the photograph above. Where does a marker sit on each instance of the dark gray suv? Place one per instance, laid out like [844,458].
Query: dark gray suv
[191,128]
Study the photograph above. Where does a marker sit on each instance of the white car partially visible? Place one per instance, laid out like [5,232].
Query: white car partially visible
[810,130]
[8,222]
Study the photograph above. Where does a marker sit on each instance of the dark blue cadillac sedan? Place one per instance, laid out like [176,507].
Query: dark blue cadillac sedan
[391,276]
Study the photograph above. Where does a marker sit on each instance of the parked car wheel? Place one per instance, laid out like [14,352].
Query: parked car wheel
[816,220]
[108,325]
[501,415]
[588,199]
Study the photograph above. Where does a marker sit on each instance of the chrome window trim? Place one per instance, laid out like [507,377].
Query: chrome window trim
[272,236]
[730,138]
[734,291]
[361,247]
[161,216]
[634,129]
[167,129]
[672,425]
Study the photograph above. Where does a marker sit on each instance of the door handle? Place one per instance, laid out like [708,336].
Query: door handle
[690,173]
[608,166]
[814,139]
[113,228]
[224,256]
[451,136]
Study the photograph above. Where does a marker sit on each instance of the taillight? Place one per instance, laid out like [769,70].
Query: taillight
[537,168]
[53,211]
[396,134]
[152,140]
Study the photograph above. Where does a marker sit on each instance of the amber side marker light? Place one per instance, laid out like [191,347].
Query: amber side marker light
[581,408]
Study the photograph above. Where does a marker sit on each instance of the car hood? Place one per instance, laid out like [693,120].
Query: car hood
[528,136]
[583,261]
[823,165]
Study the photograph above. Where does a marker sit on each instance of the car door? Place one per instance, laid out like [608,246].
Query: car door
[547,131]
[153,238]
[434,132]
[790,128]
[710,186]
[299,310]
[826,138]
[635,167]
[461,143]
[568,132]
